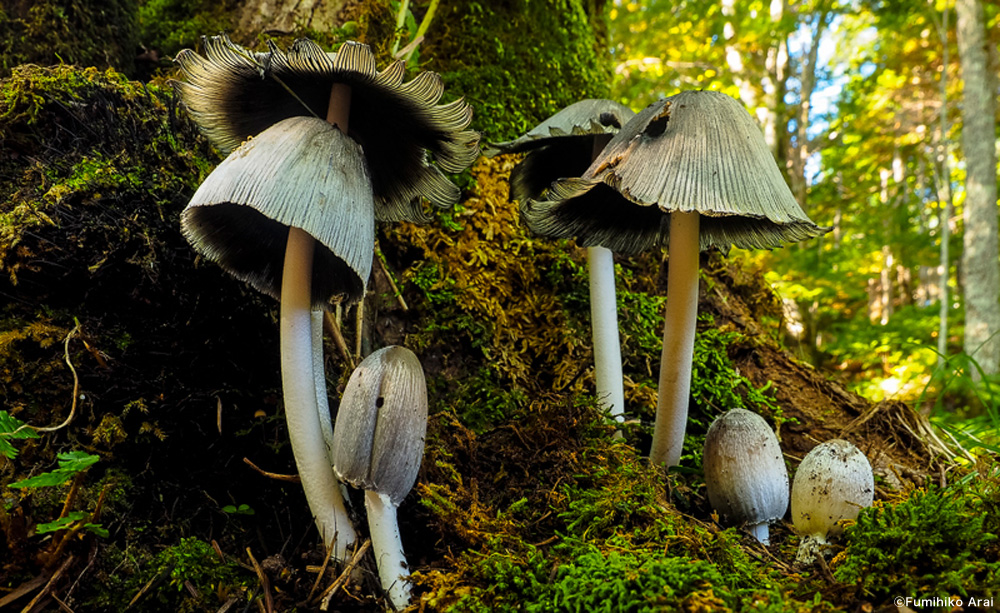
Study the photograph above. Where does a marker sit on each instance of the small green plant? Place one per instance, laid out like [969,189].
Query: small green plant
[243,509]
[70,464]
[12,429]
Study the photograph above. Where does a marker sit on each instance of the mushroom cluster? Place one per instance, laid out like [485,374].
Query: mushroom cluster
[689,173]
[320,146]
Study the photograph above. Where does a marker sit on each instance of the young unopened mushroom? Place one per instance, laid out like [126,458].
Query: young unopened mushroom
[379,443]
[690,172]
[564,145]
[292,209]
[744,471]
[833,483]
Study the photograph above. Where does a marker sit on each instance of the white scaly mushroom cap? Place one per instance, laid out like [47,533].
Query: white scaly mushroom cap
[744,470]
[698,151]
[407,137]
[833,483]
[379,435]
[300,172]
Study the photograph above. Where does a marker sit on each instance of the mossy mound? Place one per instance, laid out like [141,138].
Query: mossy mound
[102,33]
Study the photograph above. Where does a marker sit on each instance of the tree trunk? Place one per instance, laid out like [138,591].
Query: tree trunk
[980,257]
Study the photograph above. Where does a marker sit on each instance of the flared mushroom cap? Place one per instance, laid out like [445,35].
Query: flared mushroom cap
[561,146]
[300,172]
[698,151]
[744,470]
[379,435]
[234,93]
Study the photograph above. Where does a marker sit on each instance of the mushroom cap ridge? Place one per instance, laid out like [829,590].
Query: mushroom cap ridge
[233,94]
[698,151]
[300,172]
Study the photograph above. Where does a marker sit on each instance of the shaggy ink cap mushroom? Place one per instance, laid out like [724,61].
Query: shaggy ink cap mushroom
[833,483]
[378,446]
[698,151]
[301,172]
[744,471]
[407,137]
[564,145]
[690,172]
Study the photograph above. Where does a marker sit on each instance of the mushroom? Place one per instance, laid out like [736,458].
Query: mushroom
[564,145]
[293,180]
[833,483]
[744,471]
[690,172]
[378,443]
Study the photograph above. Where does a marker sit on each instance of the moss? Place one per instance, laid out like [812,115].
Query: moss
[519,62]
[937,541]
[100,33]
[172,25]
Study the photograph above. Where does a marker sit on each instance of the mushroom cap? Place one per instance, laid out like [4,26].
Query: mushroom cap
[561,146]
[381,423]
[234,93]
[833,482]
[585,118]
[744,469]
[300,172]
[698,151]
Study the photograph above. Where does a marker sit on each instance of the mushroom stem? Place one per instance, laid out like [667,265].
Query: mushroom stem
[761,532]
[300,394]
[302,380]
[319,377]
[604,322]
[388,548]
[679,325]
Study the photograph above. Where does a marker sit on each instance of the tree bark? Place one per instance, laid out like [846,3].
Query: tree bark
[980,257]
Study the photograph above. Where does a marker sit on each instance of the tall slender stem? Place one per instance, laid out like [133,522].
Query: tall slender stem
[300,375]
[680,321]
[604,326]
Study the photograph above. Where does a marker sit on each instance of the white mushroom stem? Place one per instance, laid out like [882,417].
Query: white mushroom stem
[604,322]
[761,533]
[679,325]
[388,548]
[319,377]
[301,382]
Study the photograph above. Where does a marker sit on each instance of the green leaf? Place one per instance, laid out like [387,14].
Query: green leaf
[243,509]
[70,463]
[75,461]
[61,523]
[9,429]
[97,529]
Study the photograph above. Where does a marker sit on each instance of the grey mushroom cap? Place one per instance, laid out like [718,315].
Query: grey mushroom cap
[381,424]
[698,151]
[561,146]
[744,470]
[300,172]
[581,119]
[408,139]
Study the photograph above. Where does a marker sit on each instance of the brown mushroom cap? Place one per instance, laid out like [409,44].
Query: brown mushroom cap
[234,93]
[300,172]
[562,145]
[698,151]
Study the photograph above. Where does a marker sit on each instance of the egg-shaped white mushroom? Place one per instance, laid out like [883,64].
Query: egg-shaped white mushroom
[745,472]
[833,483]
